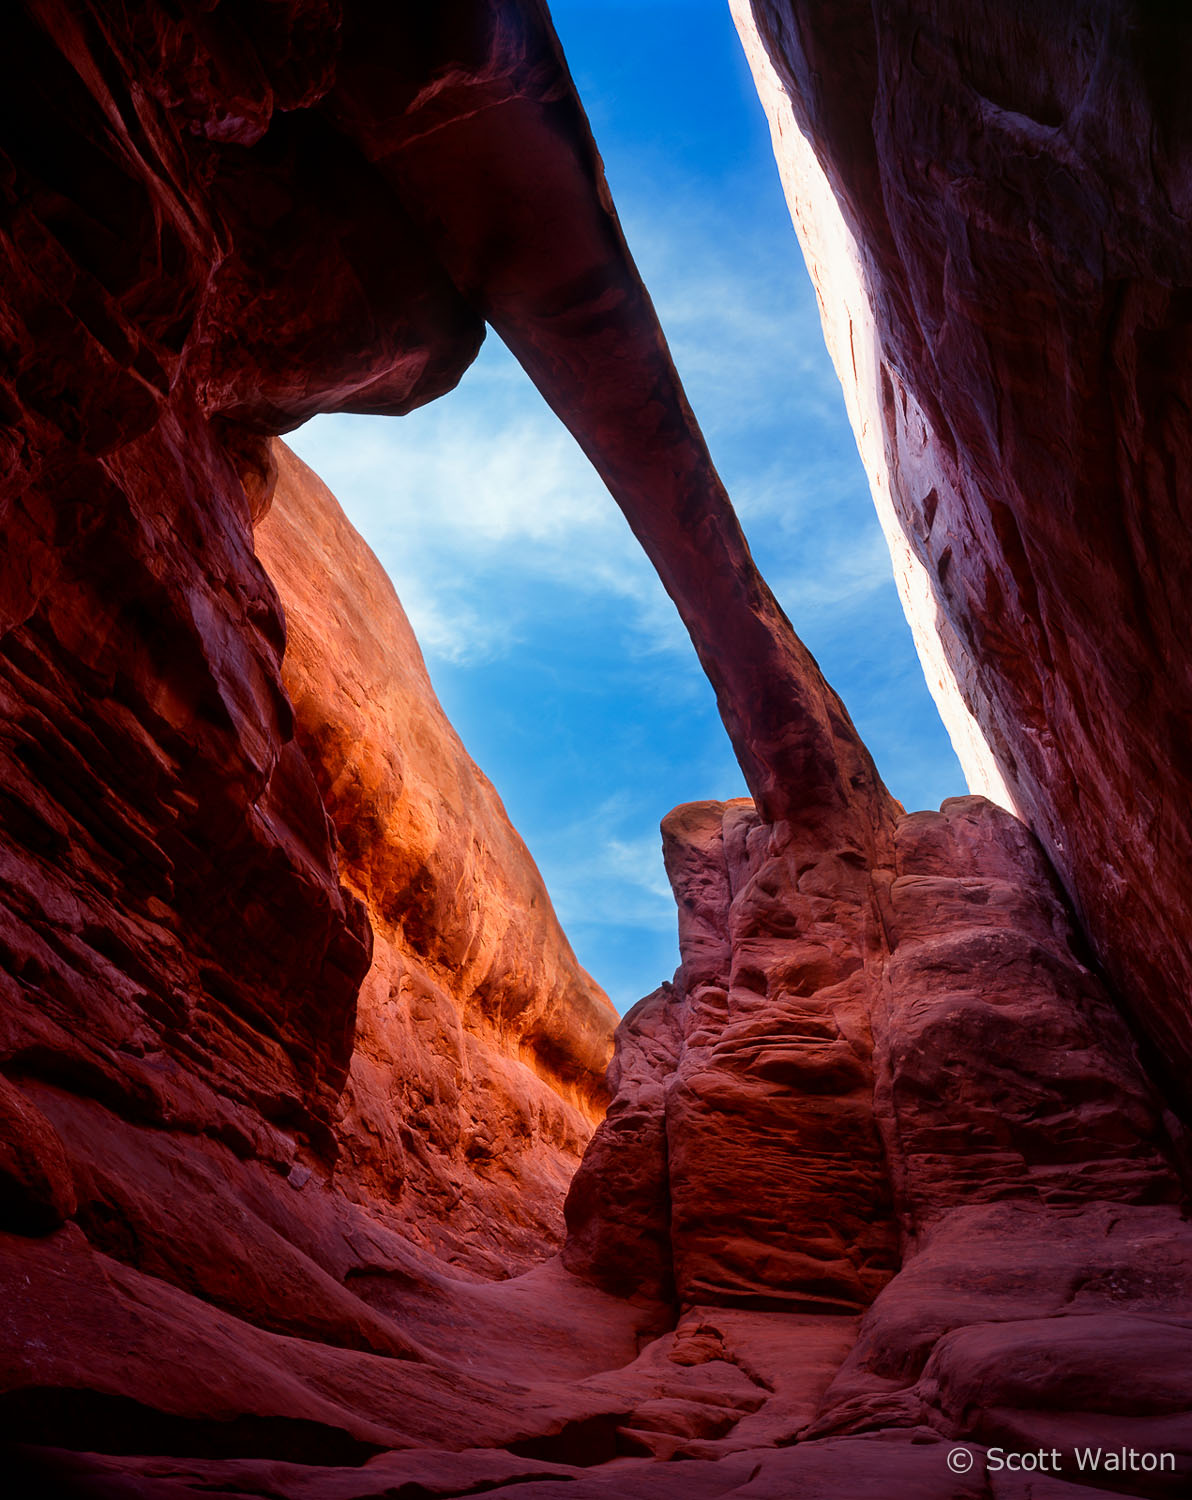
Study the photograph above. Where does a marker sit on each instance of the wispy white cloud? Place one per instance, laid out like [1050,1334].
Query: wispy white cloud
[737,311]
[487,484]
[621,880]
[494,527]
[836,577]
[639,864]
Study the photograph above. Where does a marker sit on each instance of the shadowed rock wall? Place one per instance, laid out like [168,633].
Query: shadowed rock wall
[993,203]
[882,1170]
[892,1090]
[210,1146]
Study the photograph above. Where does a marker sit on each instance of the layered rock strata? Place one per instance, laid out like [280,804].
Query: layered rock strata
[993,207]
[1007,1264]
[295,1057]
[895,1092]
[477,1072]
[211,1149]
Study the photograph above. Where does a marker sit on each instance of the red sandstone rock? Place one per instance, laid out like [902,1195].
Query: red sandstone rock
[882,1169]
[936,999]
[181,962]
[993,207]
[481,1045]
[776,1185]
[36,1187]
[618,1203]
[560,287]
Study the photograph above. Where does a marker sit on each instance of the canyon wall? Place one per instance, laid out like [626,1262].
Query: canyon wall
[478,1067]
[295,1060]
[250,1060]
[887,1110]
[992,203]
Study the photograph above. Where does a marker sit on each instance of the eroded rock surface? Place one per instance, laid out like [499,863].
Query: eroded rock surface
[773,1166]
[217,1164]
[895,1091]
[294,1055]
[993,204]
[481,1045]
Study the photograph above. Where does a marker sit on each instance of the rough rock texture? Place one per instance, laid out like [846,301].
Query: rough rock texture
[496,164]
[766,1139]
[882,1169]
[897,1084]
[195,1208]
[1026,1241]
[478,1067]
[993,203]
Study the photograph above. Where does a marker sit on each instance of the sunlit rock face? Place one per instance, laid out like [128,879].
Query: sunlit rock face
[296,1060]
[481,1045]
[993,205]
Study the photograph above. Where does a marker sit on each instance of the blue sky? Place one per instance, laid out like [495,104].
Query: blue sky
[551,644]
